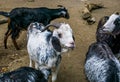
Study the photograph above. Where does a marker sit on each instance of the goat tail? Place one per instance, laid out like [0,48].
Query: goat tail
[6,14]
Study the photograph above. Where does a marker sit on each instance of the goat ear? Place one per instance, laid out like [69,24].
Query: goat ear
[61,6]
[56,44]
[117,13]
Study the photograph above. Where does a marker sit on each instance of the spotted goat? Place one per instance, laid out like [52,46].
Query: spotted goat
[45,47]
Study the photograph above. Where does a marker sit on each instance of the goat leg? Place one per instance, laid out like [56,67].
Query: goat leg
[5,41]
[15,44]
[55,72]
[30,65]
[36,65]
[7,34]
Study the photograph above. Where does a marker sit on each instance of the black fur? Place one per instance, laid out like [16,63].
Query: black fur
[20,18]
[56,44]
[112,41]
[117,28]
[23,74]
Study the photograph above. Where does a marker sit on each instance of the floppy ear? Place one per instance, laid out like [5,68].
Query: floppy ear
[56,44]
[117,13]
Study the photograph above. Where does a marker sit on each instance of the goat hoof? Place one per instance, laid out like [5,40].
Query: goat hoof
[6,48]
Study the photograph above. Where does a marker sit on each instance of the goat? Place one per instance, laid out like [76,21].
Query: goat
[20,18]
[100,64]
[25,74]
[45,47]
[108,23]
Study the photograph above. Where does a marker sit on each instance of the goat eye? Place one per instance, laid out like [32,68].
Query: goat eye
[60,35]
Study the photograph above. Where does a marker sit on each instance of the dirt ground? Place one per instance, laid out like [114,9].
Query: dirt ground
[72,66]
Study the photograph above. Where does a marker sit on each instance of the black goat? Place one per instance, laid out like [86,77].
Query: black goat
[20,18]
[107,24]
[25,74]
[101,65]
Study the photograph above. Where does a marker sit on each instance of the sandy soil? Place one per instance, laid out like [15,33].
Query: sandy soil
[72,66]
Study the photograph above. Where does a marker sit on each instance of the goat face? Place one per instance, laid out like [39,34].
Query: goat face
[65,35]
[35,26]
[112,24]
[64,13]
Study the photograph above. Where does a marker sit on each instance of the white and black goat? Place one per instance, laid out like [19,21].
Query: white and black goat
[109,31]
[101,65]
[25,74]
[45,47]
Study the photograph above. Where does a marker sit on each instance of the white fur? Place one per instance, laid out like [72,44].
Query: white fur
[41,50]
[109,25]
[66,32]
[101,65]
[94,63]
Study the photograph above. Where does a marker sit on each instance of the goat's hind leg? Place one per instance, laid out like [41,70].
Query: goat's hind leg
[36,65]
[7,34]
[15,35]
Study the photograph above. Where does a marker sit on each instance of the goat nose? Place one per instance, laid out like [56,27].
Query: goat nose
[103,27]
[102,30]
[72,44]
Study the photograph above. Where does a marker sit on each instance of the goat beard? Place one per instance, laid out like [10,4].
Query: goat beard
[66,49]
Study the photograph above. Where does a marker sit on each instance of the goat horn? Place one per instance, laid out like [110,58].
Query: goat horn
[56,25]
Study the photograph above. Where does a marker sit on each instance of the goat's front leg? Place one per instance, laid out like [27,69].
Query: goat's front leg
[36,65]
[30,65]
[15,44]
[55,72]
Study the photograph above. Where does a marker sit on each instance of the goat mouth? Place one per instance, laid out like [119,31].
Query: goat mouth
[67,16]
[105,32]
[69,48]
[108,32]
